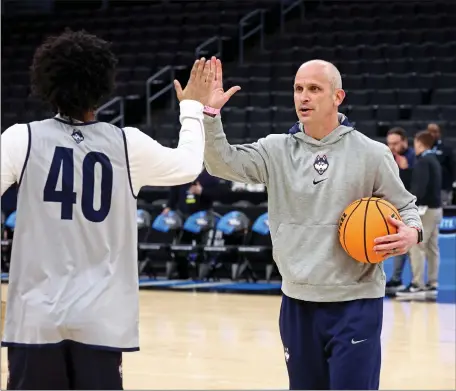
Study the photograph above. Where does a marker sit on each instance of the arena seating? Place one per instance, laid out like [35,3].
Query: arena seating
[145,37]
[397,60]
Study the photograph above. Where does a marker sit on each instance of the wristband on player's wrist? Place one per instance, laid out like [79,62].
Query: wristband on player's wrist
[211,111]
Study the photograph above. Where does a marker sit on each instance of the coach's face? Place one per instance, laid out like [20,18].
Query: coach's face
[315,97]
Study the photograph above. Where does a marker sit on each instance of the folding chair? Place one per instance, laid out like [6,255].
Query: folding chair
[165,232]
[258,251]
[231,232]
[186,252]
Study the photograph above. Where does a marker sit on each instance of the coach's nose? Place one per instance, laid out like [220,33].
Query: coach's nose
[304,97]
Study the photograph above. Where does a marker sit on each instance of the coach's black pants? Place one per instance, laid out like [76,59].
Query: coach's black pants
[64,366]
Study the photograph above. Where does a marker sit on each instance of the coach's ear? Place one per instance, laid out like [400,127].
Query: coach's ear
[339,96]
[178,88]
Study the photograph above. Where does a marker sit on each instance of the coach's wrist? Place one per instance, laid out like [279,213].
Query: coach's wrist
[419,234]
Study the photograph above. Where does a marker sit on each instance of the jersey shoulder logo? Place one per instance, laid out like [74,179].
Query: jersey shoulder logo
[77,136]
[321,164]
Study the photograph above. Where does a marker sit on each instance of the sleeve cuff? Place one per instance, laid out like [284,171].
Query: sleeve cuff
[188,106]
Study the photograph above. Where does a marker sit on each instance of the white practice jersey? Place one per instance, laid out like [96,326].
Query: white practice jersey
[74,272]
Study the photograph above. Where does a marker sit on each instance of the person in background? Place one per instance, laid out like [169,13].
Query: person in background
[404,155]
[194,196]
[188,199]
[426,185]
[445,156]
[397,141]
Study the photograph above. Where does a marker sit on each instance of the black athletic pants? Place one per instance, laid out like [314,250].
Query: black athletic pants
[64,366]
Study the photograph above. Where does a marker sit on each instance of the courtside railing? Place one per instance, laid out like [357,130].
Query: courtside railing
[105,110]
[203,49]
[286,6]
[165,77]
[243,35]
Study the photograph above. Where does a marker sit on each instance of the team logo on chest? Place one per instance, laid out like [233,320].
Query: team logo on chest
[321,164]
[77,136]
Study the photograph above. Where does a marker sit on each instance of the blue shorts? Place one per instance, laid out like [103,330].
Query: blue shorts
[332,346]
[63,366]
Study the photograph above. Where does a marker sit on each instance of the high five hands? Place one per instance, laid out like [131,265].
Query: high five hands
[206,84]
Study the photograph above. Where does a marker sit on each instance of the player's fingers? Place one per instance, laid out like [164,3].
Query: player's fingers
[232,91]
[219,71]
[178,88]
[201,64]
[214,68]
[193,71]
[387,238]
[206,70]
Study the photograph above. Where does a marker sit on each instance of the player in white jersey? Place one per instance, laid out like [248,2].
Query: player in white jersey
[72,304]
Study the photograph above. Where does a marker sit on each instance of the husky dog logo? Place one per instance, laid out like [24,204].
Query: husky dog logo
[77,136]
[321,164]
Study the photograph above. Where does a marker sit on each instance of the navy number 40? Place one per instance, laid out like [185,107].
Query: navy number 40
[63,162]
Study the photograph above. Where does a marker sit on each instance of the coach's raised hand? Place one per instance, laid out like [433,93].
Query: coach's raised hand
[219,97]
[199,85]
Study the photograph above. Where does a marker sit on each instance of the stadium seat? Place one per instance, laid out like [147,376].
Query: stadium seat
[222,253]
[257,253]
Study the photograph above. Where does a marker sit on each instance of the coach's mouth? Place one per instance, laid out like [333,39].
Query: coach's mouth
[305,111]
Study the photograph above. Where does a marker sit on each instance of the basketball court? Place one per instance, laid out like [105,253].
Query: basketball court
[209,340]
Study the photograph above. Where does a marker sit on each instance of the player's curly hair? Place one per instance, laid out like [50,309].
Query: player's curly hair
[74,72]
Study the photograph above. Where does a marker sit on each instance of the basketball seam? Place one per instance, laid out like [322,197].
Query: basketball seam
[346,223]
[364,233]
[383,217]
[389,206]
[391,209]
[381,214]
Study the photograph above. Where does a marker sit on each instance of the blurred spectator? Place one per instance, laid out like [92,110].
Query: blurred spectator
[404,155]
[426,186]
[190,198]
[445,157]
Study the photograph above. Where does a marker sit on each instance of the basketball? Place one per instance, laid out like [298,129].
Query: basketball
[361,223]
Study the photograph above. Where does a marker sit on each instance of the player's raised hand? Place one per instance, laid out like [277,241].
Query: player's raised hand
[218,96]
[199,85]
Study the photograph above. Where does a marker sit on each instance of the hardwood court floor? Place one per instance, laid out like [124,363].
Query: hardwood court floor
[227,341]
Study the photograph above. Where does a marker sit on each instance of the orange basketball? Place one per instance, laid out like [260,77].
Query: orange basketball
[363,221]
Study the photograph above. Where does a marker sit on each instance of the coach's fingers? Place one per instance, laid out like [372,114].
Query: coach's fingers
[178,88]
[395,222]
[388,238]
[232,91]
[388,246]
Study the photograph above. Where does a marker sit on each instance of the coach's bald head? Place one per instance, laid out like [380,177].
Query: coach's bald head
[323,67]
[317,95]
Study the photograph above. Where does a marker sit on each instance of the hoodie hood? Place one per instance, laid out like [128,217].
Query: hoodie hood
[344,127]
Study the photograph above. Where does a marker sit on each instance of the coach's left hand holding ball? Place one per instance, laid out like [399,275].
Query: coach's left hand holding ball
[398,243]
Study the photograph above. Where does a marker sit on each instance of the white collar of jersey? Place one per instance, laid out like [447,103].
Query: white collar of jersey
[68,119]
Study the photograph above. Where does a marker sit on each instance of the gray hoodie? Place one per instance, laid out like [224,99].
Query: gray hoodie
[309,183]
